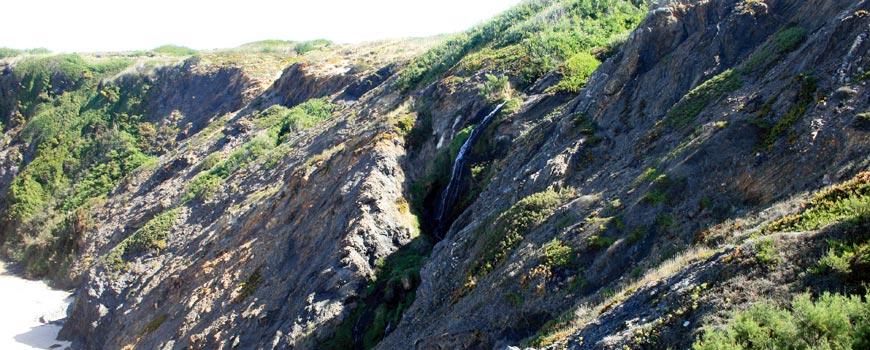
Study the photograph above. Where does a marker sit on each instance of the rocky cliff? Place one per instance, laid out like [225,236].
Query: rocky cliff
[255,200]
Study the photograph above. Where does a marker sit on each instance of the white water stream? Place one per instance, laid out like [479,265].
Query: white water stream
[452,190]
[27,310]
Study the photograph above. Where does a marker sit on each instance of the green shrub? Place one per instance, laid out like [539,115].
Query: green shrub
[557,254]
[154,324]
[844,258]
[405,124]
[576,72]
[662,190]
[459,140]
[251,150]
[517,300]
[806,90]
[175,50]
[249,285]
[283,122]
[637,234]
[511,106]
[832,322]
[650,174]
[385,299]
[598,242]
[766,253]
[85,136]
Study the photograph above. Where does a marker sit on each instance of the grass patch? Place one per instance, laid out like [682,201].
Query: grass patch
[6,52]
[175,50]
[782,42]
[599,242]
[154,324]
[151,236]
[511,226]
[280,121]
[663,189]
[86,135]
[494,88]
[845,259]
[691,105]
[390,293]
[311,45]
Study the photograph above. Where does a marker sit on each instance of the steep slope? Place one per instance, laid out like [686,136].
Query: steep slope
[712,110]
[647,172]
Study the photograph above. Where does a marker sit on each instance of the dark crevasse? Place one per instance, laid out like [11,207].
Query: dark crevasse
[448,197]
[384,302]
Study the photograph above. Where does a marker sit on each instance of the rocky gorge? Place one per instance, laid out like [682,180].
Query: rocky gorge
[637,173]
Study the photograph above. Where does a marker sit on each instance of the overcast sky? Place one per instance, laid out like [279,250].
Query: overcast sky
[119,25]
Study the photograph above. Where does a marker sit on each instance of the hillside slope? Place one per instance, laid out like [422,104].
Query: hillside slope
[650,169]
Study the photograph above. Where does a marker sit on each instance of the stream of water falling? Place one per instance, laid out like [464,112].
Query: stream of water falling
[448,197]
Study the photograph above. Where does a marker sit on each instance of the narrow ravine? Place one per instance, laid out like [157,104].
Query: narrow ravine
[32,312]
[452,189]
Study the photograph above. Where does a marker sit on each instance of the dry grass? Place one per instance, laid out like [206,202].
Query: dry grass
[584,314]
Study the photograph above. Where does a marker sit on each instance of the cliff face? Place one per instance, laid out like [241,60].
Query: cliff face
[709,115]
[293,232]
[291,203]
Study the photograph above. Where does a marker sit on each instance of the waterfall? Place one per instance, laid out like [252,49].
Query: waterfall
[452,189]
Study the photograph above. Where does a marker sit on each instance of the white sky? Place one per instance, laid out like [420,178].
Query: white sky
[120,25]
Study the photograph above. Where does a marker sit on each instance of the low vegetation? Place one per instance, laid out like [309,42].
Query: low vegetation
[557,254]
[773,131]
[530,40]
[151,236]
[175,50]
[279,122]
[691,105]
[576,72]
[510,227]
[830,322]
[86,136]
[782,42]
[848,203]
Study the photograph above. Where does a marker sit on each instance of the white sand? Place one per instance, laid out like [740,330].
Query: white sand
[22,303]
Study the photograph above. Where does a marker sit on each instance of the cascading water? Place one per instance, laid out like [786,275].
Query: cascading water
[452,189]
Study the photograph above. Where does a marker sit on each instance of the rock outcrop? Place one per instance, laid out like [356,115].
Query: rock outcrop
[622,215]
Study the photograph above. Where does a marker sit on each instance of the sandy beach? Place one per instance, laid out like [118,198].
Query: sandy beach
[29,310]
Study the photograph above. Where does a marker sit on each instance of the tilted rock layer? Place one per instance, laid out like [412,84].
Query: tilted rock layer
[598,216]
